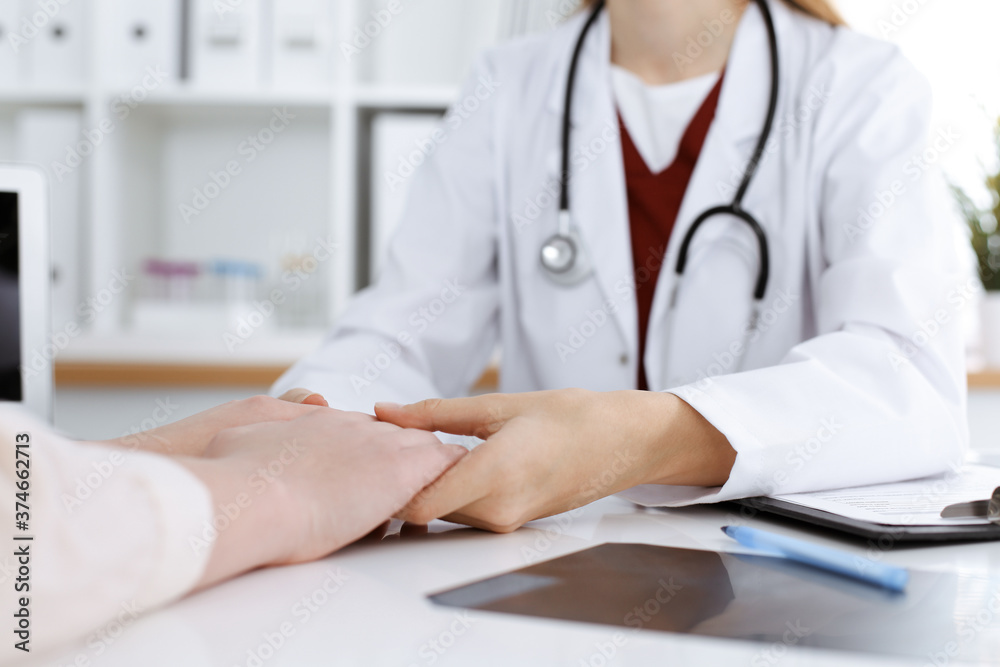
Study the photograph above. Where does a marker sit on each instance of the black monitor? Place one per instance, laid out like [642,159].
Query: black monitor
[25,367]
[10,301]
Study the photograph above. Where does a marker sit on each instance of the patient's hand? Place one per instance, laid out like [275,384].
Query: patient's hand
[190,437]
[314,484]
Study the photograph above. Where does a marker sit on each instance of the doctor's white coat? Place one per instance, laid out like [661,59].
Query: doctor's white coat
[856,375]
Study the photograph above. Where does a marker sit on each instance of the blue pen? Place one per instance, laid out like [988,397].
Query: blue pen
[832,560]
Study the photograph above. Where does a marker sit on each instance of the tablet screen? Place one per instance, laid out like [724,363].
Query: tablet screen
[10,320]
[772,601]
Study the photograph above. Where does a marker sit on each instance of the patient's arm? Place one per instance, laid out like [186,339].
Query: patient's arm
[141,529]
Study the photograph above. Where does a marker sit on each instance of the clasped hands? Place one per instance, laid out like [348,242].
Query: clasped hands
[305,480]
[553,451]
[549,452]
[343,474]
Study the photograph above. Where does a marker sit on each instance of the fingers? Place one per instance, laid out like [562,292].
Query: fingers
[304,397]
[423,464]
[466,482]
[481,416]
[420,466]
[476,521]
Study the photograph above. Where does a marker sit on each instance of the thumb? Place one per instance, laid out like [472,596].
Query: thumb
[481,416]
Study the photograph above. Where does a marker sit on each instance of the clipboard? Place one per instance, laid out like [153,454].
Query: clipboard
[877,532]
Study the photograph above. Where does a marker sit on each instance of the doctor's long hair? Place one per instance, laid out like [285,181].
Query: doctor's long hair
[821,9]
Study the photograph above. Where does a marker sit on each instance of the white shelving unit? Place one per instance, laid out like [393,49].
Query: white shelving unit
[308,184]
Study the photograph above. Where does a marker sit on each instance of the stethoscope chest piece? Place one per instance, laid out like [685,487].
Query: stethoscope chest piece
[564,256]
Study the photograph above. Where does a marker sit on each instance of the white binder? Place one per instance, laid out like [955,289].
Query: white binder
[141,34]
[43,136]
[300,44]
[56,55]
[10,52]
[395,137]
[226,43]
[429,41]
[524,17]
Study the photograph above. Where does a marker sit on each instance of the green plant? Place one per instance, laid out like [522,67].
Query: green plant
[983,222]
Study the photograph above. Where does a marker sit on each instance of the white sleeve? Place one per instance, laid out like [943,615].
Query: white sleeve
[112,531]
[427,328]
[879,394]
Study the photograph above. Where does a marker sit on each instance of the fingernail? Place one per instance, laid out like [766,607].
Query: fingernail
[385,405]
[316,399]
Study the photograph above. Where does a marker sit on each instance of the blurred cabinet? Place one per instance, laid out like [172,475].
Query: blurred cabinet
[230,135]
[395,138]
[225,43]
[141,35]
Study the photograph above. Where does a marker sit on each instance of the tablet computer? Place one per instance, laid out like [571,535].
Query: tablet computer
[771,601]
[25,368]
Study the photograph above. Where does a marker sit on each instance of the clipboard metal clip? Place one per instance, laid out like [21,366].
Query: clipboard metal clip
[985,509]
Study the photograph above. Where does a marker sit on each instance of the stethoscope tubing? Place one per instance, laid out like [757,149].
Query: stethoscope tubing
[735,208]
[567,110]
[730,209]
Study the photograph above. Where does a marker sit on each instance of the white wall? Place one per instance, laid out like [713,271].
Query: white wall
[94,413]
[953,43]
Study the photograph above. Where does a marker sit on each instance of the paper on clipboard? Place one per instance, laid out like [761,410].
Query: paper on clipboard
[913,503]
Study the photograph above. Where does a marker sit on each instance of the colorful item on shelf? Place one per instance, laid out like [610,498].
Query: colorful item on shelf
[170,280]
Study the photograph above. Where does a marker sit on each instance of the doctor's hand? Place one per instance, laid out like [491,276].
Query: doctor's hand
[190,436]
[552,451]
[304,396]
[298,490]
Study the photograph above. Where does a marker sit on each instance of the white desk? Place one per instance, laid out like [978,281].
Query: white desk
[379,616]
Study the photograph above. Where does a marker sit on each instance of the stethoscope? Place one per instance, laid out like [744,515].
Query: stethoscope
[563,255]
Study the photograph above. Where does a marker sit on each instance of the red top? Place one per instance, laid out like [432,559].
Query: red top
[653,203]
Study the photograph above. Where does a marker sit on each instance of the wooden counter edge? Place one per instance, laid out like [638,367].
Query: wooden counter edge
[102,374]
[985,379]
